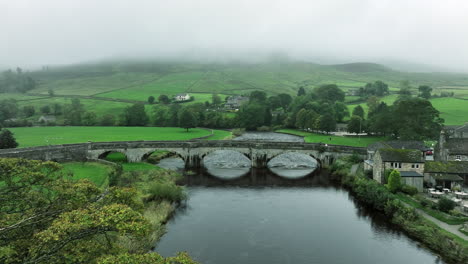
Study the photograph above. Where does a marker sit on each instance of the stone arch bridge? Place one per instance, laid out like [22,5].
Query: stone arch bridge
[192,152]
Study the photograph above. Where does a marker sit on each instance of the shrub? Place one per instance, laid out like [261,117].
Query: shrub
[445,205]
[394,181]
[264,129]
[163,190]
[238,132]
[411,190]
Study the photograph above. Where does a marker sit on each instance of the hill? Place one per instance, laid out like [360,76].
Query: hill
[107,87]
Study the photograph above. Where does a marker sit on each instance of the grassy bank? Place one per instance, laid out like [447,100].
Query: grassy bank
[331,139]
[452,248]
[41,136]
[451,220]
[94,171]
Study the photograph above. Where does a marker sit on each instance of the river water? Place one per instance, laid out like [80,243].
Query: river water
[261,217]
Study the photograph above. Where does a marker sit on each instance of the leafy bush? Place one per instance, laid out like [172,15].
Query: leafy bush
[264,129]
[445,205]
[410,190]
[238,132]
[163,190]
[394,181]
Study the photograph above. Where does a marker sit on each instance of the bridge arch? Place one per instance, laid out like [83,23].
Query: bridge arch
[104,154]
[309,154]
[170,153]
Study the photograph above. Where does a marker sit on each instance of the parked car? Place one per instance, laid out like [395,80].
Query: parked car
[429,152]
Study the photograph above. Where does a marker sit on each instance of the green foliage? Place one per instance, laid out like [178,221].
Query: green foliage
[410,190]
[147,258]
[151,99]
[16,81]
[166,190]
[394,181]
[358,111]
[377,88]
[187,119]
[425,91]
[73,113]
[7,140]
[29,110]
[216,99]
[355,125]
[329,92]
[301,91]
[8,109]
[445,205]
[47,218]
[164,99]
[135,115]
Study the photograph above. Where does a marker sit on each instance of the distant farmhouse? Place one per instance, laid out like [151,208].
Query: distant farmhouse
[182,97]
[457,131]
[235,102]
[409,162]
[47,119]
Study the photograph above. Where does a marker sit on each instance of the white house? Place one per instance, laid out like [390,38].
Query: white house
[182,97]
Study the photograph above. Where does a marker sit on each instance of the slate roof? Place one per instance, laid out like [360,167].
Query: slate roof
[410,174]
[463,128]
[398,144]
[455,167]
[457,146]
[401,155]
[447,177]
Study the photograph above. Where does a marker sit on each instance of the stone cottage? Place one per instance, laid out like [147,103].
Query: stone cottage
[393,144]
[455,149]
[446,173]
[409,162]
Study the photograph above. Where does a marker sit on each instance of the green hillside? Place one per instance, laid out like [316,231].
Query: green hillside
[111,86]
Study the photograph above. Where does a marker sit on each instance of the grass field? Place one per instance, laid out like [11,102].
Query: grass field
[118,157]
[331,139]
[40,136]
[453,110]
[220,135]
[95,172]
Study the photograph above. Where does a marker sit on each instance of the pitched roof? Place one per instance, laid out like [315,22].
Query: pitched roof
[401,155]
[457,146]
[463,128]
[456,167]
[410,174]
[398,144]
[447,177]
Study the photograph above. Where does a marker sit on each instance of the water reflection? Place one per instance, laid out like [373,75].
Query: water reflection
[227,164]
[172,163]
[292,165]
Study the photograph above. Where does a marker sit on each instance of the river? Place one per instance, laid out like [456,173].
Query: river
[261,217]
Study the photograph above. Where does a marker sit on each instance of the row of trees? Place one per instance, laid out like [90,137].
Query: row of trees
[16,81]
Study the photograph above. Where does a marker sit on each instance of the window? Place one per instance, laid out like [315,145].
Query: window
[415,166]
[458,157]
[395,165]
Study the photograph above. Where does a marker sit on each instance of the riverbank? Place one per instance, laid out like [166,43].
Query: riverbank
[450,247]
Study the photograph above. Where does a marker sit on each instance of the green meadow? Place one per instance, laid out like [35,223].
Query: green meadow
[40,136]
[94,171]
[363,141]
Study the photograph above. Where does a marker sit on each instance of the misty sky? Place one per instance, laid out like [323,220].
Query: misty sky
[37,32]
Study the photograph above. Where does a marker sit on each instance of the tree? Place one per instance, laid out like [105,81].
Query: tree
[355,124]
[358,111]
[135,115]
[57,109]
[372,104]
[327,123]
[164,99]
[151,99]
[445,204]
[8,109]
[29,110]
[251,116]
[341,111]
[107,120]
[74,112]
[258,96]
[301,91]
[417,119]
[89,119]
[394,181]
[7,140]
[405,89]
[187,119]
[425,91]
[329,92]
[46,217]
[51,92]
[285,100]
[45,109]
[216,99]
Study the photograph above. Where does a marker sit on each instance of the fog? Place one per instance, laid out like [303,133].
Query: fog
[44,32]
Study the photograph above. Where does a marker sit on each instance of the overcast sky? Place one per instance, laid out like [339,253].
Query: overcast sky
[37,32]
